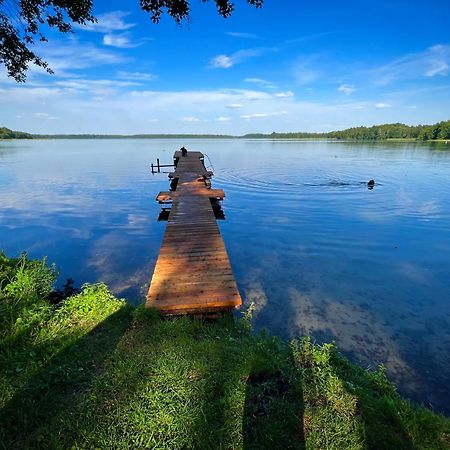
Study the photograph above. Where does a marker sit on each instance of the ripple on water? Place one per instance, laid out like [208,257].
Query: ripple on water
[267,181]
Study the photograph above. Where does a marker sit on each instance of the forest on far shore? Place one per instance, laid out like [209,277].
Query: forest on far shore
[438,131]
[6,133]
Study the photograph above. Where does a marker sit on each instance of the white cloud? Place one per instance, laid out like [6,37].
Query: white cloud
[89,84]
[235,106]
[263,115]
[437,68]
[381,105]
[5,79]
[434,61]
[42,115]
[221,62]
[257,95]
[261,82]
[108,22]
[30,94]
[97,88]
[108,106]
[120,41]
[242,35]
[64,57]
[287,94]
[347,89]
[254,116]
[256,81]
[215,98]
[310,37]
[136,76]
[304,74]
[227,61]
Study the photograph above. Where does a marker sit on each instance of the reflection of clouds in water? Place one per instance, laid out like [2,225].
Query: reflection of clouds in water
[403,204]
[298,303]
[280,220]
[254,294]
[137,219]
[413,272]
[75,215]
[356,331]
[32,201]
[407,204]
[12,218]
[110,257]
[442,247]
[376,217]
[139,224]
[430,208]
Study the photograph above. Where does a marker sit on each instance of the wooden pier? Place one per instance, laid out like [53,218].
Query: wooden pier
[193,273]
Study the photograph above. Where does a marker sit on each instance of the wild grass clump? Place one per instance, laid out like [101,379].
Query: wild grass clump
[92,372]
[39,341]
[24,284]
[349,407]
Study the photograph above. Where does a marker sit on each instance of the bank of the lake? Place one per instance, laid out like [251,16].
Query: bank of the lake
[94,372]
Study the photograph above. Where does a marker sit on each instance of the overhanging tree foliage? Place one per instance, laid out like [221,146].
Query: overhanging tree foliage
[22,23]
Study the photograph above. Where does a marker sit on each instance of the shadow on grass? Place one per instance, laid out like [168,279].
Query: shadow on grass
[52,391]
[380,410]
[349,407]
[182,384]
[252,398]
[273,413]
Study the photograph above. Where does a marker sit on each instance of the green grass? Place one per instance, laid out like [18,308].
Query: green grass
[93,372]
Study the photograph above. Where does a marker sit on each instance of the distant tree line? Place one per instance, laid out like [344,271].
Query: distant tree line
[132,136]
[439,130]
[6,133]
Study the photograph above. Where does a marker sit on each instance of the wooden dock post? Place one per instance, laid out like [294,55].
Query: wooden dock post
[193,273]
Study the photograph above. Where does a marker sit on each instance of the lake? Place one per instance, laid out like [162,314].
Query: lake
[314,249]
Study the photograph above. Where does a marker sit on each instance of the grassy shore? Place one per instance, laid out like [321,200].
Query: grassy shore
[94,372]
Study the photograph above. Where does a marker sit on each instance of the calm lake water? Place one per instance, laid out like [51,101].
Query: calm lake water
[315,250]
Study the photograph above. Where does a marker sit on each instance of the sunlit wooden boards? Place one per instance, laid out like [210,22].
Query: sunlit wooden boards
[193,273]
[166,196]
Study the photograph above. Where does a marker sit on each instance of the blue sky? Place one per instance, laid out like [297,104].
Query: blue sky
[290,66]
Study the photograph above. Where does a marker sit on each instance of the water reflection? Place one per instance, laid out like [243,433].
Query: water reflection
[310,244]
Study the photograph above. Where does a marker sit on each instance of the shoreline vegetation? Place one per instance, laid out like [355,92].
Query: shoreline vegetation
[87,370]
[397,131]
